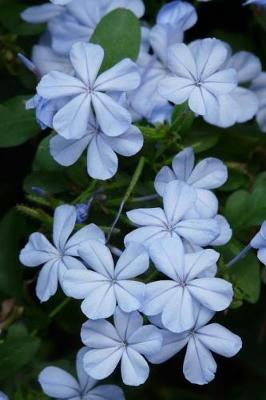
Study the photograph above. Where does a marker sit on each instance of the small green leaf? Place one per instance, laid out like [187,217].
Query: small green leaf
[51,182]
[17,125]
[201,140]
[236,180]
[119,34]
[245,274]
[43,161]
[17,351]
[237,209]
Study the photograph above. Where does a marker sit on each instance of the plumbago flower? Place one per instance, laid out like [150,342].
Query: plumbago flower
[241,104]
[261,3]
[127,341]
[102,161]
[258,86]
[80,18]
[171,221]
[198,75]
[191,284]
[107,285]
[3,396]
[259,243]
[60,256]
[85,92]
[209,173]
[200,341]
[59,384]
[172,21]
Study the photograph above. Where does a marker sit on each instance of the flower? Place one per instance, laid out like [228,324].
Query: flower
[57,258]
[209,173]
[171,221]
[199,365]
[79,19]
[107,285]
[102,162]
[241,104]
[191,284]
[42,13]
[177,13]
[45,109]
[259,243]
[61,2]
[127,341]
[3,396]
[86,91]
[258,86]
[261,3]
[198,75]
[59,384]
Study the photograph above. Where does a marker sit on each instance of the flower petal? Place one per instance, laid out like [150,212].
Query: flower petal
[80,238]
[134,368]
[99,334]
[196,264]
[47,281]
[173,343]
[130,295]
[213,293]
[209,173]
[64,223]
[134,261]
[148,216]
[98,257]
[127,144]
[87,59]
[246,64]
[57,84]
[112,117]
[157,295]
[37,251]
[146,235]
[127,323]
[102,162]
[101,363]
[164,176]
[198,231]
[57,383]
[67,152]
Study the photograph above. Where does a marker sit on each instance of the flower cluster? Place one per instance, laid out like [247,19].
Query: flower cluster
[146,303]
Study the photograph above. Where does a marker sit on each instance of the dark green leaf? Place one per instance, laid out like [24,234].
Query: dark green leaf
[17,125]
[119,34]
[50,182]
[17,351]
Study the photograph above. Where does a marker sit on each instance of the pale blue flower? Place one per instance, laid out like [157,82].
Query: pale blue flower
[241,104]
[259,88]
[261,3]
[177,13]
[46,60]
[42,13]
[80,18]
[171,221]
[102,161]
[259,243]
[208,174]
[127,341]
[61,2]
[60,256]
[45,109]
[199,365]
[198,75]
[108,285]
[3,396]
[59,384]
[86,91]
[191,284]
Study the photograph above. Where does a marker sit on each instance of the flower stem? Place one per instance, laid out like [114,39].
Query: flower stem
[134,181]
[241,255]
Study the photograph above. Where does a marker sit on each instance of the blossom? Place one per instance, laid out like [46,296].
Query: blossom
[241,104]
[258,86]
[59,384]
[60,256]
[102,161]
[80,18]
[179,297]
[171,221]
[198,75]
[41,14]
[107,285]
[127,341]
[259,243]
[47,60]
[199,365]
[3,396]
[45,109]
[177,13]
[209,173]
[261,3]
[61,2]
[86,91]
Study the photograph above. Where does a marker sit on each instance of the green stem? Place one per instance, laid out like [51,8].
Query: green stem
[83,197]
[134,181]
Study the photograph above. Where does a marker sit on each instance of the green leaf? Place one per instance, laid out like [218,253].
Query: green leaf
[245,274]
[18,350]
[119,34]
[43,161]
[13,228]
[17,125]
[201,140]
[237,209]
[236,180]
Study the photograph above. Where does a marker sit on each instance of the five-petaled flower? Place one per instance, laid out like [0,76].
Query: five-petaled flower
[57,258]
